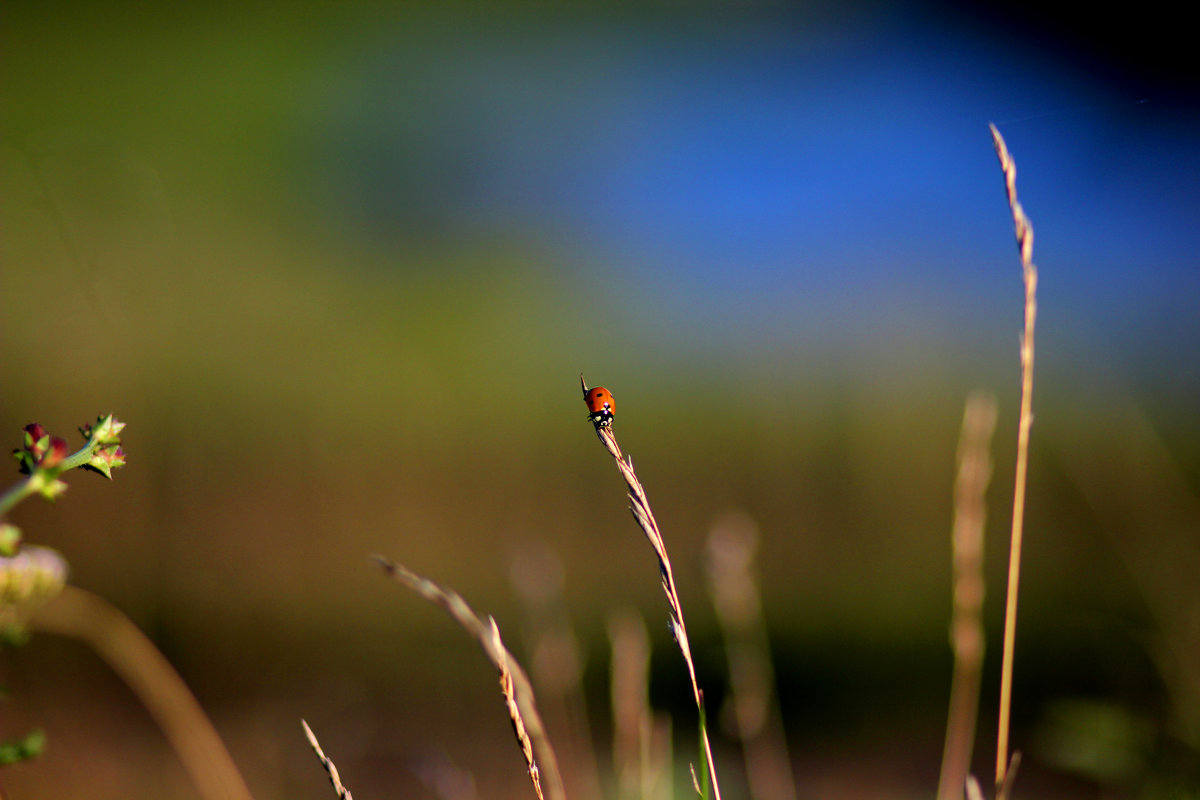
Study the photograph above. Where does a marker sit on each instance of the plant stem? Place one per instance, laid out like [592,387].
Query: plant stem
[1024,234]
[15,494]
[27,485]
[966,626]
[639,505]
[91,619]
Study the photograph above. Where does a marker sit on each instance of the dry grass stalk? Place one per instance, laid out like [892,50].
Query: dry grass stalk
[1024,234]
[732,547]
[522,706]
[640,506]
[1004,789]
[514,712]
[342,792]
[113,636]
[966,627]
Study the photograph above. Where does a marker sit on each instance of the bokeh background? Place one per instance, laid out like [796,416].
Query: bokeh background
[340,266]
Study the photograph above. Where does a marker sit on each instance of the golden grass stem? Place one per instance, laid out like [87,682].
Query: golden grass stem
[518,691]
[639,505]
[89,618]
[514,712]
[342,792]
[966,626]
[1024,234]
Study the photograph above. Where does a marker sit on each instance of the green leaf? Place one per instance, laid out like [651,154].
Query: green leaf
[23,749]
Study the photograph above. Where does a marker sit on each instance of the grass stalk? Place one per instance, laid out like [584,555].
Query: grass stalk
[966,626]
[518,691]
[508,689]
[1024,234]
[639,505]
[81,615]
[342,792]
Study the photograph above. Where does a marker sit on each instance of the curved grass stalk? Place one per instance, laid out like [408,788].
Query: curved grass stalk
[89,618]
[514,683]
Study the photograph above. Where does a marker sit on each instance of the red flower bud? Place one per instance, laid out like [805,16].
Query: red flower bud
[55,453]
[36,441]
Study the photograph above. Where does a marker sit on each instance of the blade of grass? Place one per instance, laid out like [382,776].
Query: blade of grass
[966,627]
[639,505]
[518,691]
[342,792]
[113,636]
[514,712]
[703,761]
[1024,234]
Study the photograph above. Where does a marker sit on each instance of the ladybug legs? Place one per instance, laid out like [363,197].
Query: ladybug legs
[602,418]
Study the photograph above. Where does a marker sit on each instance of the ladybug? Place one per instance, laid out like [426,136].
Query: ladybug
[600,404]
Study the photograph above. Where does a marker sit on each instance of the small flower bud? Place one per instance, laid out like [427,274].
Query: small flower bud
[10,539]
[106,431]
[106,459]
[54,454]
[41,450]
[36,439]
[37,442]
[46,483]
[28,580]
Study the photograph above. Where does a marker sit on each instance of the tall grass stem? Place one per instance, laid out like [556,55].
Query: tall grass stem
[81,615]
[1024,234]
[639,505]
[966,626]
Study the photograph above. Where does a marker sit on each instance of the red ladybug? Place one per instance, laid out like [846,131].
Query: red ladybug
[601,405]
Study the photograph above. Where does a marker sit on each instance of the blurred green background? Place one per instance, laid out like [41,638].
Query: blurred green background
[340,266]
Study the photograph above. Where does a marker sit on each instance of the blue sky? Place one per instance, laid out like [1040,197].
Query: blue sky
[767,168]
